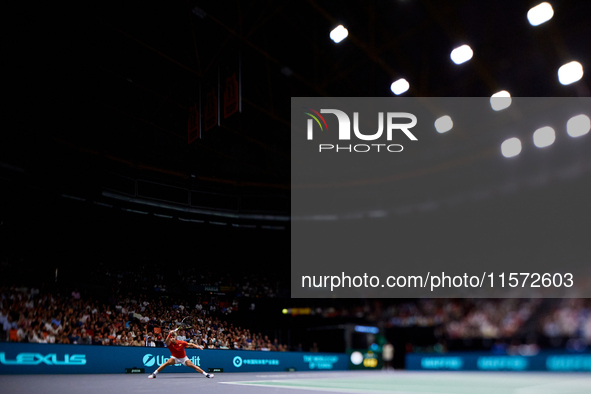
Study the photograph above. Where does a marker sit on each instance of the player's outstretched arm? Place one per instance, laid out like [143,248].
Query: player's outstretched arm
[193,346]
[169,338]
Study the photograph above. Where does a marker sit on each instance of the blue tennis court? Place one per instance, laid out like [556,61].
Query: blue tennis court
[399,382]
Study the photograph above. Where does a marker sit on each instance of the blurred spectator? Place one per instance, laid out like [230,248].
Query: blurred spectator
[388,356]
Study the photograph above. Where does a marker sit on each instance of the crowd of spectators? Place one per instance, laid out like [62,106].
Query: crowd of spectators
[568,318]
[466,318]
[31,315]
[494,319]
[146,278]
[458,318]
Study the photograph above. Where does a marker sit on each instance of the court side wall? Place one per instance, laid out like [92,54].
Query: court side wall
[26,358]
[480,361]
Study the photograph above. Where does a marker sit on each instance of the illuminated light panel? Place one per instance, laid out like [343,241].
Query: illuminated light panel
[400,86]
[539,14]
[544,137]
[356,358]
[578,125]
[444,124]
[367,329]
[511,147]
[570,73]
[500,100]
[338,34]
[461,54]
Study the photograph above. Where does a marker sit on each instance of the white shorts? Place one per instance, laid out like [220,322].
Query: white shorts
[180,360]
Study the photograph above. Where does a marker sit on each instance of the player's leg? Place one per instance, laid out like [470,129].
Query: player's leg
[168,362]
[189,364]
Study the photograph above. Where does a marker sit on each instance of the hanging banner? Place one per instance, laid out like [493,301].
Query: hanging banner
[211,109]
[210,99]
[193,124]
[231,96]
[230,91]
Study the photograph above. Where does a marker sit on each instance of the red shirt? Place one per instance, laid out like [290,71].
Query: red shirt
[178,349]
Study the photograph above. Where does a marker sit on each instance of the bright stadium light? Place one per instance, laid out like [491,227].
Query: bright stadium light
[511,147]
[539,14]
[400,86]
[570,72]
[444,124]
[544,137]
[339,33]
[500,100]
[578,125]
[461,54]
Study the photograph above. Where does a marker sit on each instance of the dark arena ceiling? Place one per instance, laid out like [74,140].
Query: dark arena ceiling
[99,93]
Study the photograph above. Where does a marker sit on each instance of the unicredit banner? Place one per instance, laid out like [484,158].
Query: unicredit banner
[17,358]
[480,361]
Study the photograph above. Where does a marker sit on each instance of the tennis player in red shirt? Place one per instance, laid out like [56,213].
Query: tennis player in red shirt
[177,350]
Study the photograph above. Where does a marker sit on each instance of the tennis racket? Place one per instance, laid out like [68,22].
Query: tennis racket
[185,324]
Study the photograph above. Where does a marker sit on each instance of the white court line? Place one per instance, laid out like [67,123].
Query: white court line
[291,375]
[327,389]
